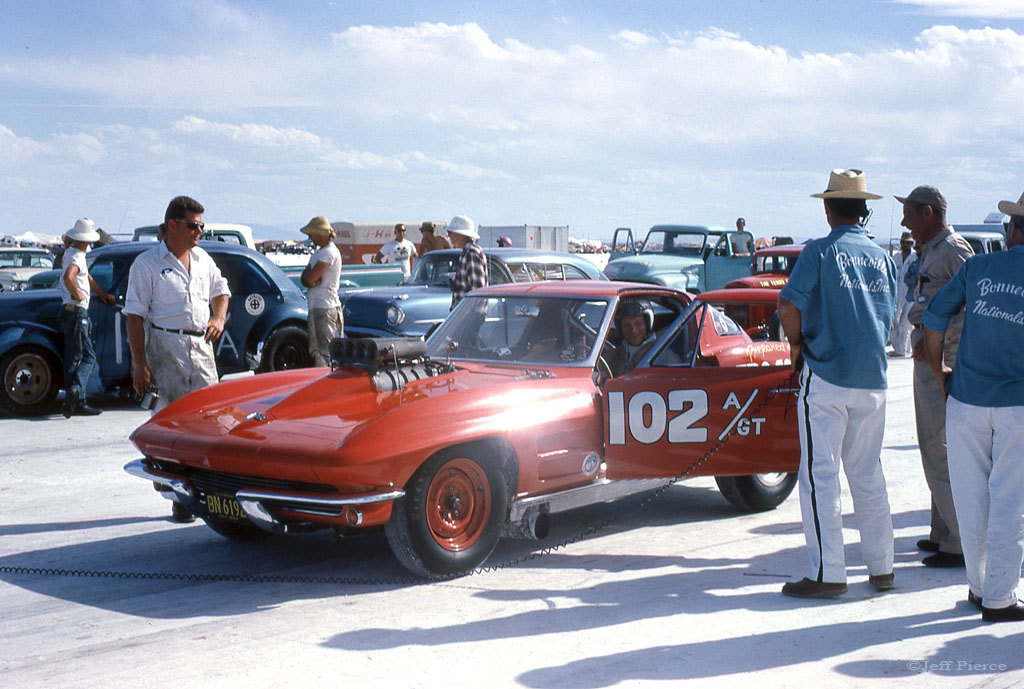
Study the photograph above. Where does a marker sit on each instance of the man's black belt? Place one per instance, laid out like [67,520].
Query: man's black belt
[179,331]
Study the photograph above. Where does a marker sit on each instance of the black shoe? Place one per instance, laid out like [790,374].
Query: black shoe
[180,514]
[1012,613]
[941,559]
[927,545]
[70,402]
[881,582]
[808,588]
[974,600]
[85,410]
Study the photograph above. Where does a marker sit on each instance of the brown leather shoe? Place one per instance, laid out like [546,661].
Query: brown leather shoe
[808,588]
[881,582]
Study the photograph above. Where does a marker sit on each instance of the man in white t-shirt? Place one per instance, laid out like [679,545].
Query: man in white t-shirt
[321,277]
[399,250]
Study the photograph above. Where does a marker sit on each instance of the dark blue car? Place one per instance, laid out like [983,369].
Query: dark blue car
[265,331]
[412,308]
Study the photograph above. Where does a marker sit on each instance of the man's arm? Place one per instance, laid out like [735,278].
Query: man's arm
[791,320]
[933,341]
[215,327]
[311,275]
[142,377]
[69,281]
[106,297]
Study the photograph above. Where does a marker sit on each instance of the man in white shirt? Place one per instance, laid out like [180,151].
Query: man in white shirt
[399,250]
[899,336]
[176,307]
[321,277]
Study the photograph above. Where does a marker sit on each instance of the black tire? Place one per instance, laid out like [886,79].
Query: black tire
[236,531]
[31,377]
[286,348]
[758,492]
[452,514]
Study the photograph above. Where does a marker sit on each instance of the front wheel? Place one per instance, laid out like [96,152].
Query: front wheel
[451,516]
[31,377]
[757,492]
[286,348]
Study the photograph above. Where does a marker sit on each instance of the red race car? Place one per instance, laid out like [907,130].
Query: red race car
[771,267]
[517,407]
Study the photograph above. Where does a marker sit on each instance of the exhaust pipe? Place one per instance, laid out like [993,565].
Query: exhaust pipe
[534,525]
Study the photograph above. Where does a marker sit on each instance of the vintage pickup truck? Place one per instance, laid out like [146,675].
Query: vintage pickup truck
[694,258]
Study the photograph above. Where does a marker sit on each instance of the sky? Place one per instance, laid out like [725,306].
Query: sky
[588,113]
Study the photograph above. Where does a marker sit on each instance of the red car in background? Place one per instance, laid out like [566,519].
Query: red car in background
[506,415]
[770,268]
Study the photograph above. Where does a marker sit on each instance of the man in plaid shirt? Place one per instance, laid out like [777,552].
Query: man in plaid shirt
[472,269]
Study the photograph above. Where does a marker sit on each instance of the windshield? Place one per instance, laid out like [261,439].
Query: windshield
[775,264]
[433,269]
[539,330]
[678,243]
[25,259]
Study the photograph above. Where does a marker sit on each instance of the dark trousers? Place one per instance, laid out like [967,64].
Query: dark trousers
[79,354]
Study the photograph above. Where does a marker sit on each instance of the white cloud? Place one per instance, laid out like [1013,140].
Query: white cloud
[981,9]
[633,39]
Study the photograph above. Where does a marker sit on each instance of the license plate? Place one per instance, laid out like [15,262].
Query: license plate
[224,507]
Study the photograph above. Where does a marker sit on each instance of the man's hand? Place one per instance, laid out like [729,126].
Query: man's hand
[214,329]
[142,378]
[942,378]
[107,298]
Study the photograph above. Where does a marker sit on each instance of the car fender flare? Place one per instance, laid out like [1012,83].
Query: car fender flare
[17,334]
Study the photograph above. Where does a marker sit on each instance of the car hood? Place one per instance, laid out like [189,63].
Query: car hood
[422,305]
[646,264]
[766,280]
[29,305]
[338,428]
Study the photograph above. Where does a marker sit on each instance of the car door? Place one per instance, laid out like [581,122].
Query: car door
[729,260]
[252,294]
[109,330]
[682,413]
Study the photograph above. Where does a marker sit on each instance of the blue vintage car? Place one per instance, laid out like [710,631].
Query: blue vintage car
[421,302]
[266,328]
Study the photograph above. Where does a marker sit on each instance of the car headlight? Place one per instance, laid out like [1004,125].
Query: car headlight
[395,315]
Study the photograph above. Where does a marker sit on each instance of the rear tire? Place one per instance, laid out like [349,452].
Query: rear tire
[757,492]
[31,377]
[286,348]
[452,514]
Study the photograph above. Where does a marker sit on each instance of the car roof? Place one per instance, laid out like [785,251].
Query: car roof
[740,295]
[23,249]
[134,248]
[696,229]
[588,289]
[780,250]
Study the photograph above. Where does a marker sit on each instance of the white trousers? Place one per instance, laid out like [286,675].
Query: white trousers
[179,363]
[899,336]
[842,424]
[986,469]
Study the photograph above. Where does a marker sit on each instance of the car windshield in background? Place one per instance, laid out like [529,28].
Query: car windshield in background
[535,330]
[679,243]
[25,259]
[774,264]
[433,269]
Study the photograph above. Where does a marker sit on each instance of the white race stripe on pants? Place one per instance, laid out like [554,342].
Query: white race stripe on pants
[986,470]
[844,424]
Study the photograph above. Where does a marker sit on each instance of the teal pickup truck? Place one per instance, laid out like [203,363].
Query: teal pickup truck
[694,258]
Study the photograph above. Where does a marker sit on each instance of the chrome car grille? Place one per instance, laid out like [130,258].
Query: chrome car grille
[208,481]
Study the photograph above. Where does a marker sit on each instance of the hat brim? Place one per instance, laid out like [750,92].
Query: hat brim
[1011,208]
[863,195]
[86,237]
[316,230]
[466,233]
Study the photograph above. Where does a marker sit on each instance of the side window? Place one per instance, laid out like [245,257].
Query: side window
[497,274]
[243,275]
[679,349]
[722,247]
[104,271]
[520,273]
[573,273]
[997,245]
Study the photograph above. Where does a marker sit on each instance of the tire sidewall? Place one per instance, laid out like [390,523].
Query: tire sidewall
[55,373]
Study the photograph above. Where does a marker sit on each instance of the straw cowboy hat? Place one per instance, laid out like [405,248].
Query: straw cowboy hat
[83,231]
[1011,208]
[318,225]
[846,184]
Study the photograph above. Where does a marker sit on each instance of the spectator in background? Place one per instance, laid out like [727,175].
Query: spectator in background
[741,224]
[321,277]
[471,271]
[75,284]
[899,335]
[943,251]
[505,242]
[430,240]
[399,250]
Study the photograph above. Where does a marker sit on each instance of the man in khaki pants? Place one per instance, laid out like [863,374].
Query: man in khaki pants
[943,251]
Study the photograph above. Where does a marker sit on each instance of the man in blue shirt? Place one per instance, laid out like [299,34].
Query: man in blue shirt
[836,310]
[984,410]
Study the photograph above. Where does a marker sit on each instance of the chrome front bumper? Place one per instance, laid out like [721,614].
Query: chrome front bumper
[254,503]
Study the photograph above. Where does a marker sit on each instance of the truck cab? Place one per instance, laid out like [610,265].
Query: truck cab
[694,258]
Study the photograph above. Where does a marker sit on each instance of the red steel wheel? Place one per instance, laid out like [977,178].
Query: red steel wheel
[458,504]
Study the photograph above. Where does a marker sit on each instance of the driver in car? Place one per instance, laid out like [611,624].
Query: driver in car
[635,322]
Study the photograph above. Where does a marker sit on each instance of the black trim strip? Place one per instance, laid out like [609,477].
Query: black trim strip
[810,476]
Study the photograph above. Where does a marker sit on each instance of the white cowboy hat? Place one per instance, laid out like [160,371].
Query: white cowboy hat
[83,231]
[1011,208]
[464,225]
[846,184]
[318,225]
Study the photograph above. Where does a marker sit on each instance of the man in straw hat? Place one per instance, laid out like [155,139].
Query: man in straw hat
[75,284]
[321,277]
[983,415]
[430,240]
[836,310]
[471,271]
[943,251]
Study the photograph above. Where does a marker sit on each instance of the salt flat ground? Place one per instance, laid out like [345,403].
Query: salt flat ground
[679,588]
